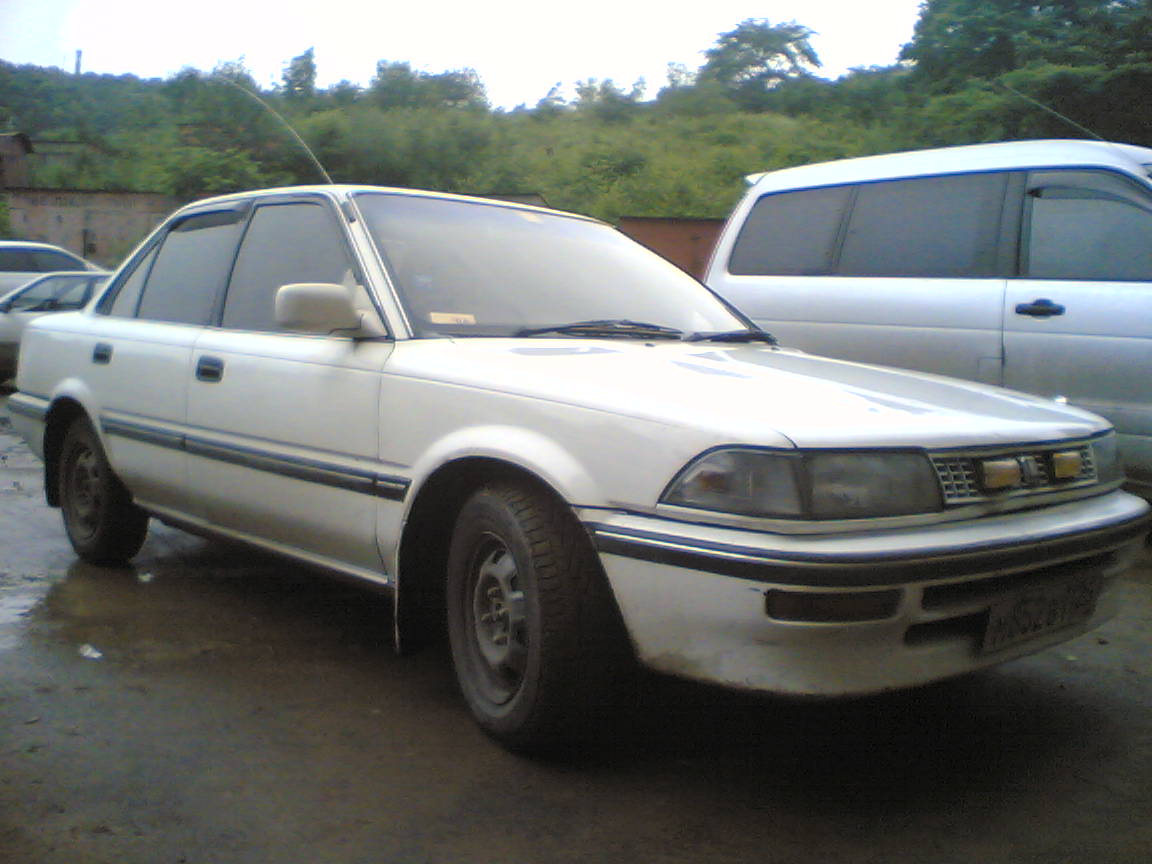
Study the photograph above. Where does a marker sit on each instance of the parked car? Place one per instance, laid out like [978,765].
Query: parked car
[1025,264]
[54,292]
[533,429]
[21,260]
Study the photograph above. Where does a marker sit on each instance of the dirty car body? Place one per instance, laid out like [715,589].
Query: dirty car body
[521,422]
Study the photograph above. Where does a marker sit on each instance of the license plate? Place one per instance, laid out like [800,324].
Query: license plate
[1036,611]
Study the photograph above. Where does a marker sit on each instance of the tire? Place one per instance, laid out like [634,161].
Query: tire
[536,640]
[102,523]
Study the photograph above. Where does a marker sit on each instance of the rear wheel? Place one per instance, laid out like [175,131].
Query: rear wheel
[536,640]
[102,523]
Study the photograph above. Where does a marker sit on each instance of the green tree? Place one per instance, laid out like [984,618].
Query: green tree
[300,79]
[757,55]
[956,40]
[398,85]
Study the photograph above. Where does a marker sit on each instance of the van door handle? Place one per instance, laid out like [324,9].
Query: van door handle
[102,353]
[1040,308]
[210,369]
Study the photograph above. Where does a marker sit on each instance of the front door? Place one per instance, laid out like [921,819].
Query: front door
[1078,323]
[283,427]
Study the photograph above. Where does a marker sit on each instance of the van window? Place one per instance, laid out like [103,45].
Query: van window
[790,233]
[1088,225]
[928,226]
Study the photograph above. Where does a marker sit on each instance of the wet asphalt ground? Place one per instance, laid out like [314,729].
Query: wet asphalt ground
[211,705]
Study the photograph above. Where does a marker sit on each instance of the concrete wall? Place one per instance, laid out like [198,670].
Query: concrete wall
[101,226]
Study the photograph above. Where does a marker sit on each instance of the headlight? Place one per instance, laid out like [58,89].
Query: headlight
[808,485]
[1106,456]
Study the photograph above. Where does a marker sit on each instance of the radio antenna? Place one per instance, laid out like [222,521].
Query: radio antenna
[1051,111]
[283,123]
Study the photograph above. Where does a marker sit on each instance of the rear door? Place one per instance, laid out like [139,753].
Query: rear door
[903,273]
[136,356]
[1078,322]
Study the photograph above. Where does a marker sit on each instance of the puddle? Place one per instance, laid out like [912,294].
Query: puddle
[14,608]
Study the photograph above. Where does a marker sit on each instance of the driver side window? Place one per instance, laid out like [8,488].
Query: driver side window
[1088,226]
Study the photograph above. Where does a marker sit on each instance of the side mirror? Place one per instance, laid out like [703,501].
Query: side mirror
[320,307]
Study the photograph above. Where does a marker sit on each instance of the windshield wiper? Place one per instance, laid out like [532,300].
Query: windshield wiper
[607,327]
[747,335]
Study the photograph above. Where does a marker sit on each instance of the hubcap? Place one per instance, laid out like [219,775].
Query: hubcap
[499,619]
[85,491]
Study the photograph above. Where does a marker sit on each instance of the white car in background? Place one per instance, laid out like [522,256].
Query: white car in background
[52,292]
[22,260]
[1025,264]
[562,450]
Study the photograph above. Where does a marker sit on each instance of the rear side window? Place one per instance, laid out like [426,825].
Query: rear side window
[33,260]
[930,226]
[15,261]
[1088,225]
[47,260]
[190,269]
[285,243]
[791,233]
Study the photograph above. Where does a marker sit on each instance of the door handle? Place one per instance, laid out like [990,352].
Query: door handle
[1040,308]
[210,369]
[102,353]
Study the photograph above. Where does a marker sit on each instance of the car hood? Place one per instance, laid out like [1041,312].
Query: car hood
[747,393]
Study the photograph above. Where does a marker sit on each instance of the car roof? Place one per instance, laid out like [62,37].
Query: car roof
[344,191]
[32,244]
[1002,156]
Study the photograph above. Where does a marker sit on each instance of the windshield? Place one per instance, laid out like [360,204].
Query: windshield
[56,293]
[478,269]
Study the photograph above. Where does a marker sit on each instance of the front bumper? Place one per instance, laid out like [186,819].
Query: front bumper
[698,601]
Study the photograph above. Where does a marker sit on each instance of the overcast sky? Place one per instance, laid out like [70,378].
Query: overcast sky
[520,48]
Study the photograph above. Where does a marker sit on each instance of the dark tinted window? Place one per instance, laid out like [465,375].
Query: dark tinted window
[1088,225]
[190,269]
[47,260]
[285,243]
[790,233]
[16,261]
[932,226]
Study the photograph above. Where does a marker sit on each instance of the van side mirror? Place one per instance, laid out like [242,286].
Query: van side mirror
[323,308]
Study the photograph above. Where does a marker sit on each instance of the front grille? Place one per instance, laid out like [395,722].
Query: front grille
[959,473]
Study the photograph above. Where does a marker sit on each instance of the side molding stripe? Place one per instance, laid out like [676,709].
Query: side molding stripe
[337,476]
[27,405]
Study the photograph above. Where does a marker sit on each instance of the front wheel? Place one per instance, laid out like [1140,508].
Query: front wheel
[102,523]
[536,641]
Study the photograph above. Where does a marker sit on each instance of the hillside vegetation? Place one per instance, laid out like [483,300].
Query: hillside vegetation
[975,70]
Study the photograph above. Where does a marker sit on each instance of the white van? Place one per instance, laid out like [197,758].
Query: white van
[1026,264]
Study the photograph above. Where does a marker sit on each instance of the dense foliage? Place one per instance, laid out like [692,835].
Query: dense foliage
[975,70]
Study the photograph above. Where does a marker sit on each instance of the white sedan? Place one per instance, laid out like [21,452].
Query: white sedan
[566,453]
[52,292]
